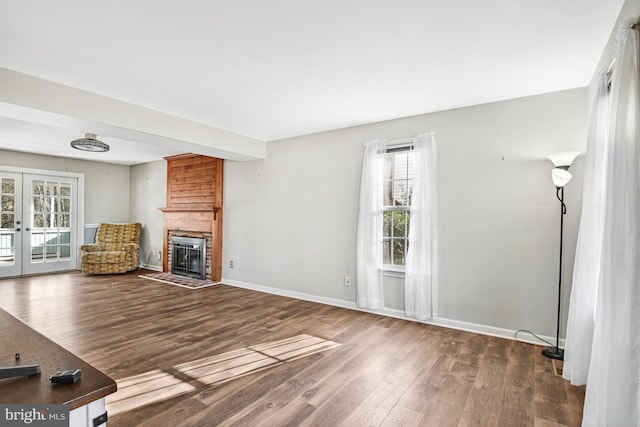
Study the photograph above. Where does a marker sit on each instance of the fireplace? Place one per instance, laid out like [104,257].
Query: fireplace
[194,209]
[188,257]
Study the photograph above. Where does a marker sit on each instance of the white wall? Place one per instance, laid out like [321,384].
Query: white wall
[148,194]
[106,184]
[290,220]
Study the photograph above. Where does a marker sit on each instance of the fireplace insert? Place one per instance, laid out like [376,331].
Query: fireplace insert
[188,257]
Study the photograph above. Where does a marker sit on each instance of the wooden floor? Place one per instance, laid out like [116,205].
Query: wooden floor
[177,356]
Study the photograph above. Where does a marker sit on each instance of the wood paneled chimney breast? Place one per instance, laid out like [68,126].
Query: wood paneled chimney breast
[194,205]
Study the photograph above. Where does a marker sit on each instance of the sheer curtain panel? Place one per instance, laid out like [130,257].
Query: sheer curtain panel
[586,270]
[609,291]
[369,292]
[612,396]
[421,265]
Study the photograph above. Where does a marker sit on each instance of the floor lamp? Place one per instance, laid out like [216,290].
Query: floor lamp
[561,177]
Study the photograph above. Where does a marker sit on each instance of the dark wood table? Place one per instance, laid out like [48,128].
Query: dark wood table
[35,348]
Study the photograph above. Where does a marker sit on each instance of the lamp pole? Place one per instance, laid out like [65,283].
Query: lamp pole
[556,352]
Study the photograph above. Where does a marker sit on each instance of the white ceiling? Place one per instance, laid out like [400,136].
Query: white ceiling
[281,68]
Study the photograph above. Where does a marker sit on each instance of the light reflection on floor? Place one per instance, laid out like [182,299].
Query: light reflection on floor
[155,386]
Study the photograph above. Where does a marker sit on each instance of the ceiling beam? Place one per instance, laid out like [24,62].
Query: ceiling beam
[33,99]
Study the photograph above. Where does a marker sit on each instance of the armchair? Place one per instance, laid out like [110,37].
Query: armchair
[116,249]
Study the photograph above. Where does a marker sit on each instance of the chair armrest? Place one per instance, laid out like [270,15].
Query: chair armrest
[131,247]
[91,248]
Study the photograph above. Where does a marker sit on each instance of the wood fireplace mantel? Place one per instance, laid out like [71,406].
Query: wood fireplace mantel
[189,210]
[194,203]
[214,209]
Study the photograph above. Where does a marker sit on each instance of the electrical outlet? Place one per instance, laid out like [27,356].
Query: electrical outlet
[159,255]
[347,280]
[230,264]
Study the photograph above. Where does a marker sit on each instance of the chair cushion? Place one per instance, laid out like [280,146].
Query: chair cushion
[118,234]
[111,257]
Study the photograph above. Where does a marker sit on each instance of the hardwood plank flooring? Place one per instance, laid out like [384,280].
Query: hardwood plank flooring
[182,357]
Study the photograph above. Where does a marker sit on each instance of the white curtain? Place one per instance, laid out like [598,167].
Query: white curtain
[420,287]
[586,270]
[613,382]
[369,290]
[613,376]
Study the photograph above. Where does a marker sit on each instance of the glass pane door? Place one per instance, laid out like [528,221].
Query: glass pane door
[50,207]
[10,224]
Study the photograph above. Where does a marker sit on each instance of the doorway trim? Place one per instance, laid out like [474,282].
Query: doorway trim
[80,197]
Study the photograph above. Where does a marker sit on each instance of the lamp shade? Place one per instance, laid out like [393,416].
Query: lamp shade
[560,177]
[563,159]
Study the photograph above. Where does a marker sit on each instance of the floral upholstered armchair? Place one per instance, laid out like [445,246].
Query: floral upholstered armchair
[116,249]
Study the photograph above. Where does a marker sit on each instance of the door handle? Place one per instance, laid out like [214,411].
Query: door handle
[27,229]
[17,229]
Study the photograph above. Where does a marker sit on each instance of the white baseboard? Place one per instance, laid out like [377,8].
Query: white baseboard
[398,314]
[495,331]
[152,267]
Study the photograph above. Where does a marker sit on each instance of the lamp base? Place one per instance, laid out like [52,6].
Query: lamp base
[553,353]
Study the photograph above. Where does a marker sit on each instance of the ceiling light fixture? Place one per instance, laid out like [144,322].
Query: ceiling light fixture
[89,143]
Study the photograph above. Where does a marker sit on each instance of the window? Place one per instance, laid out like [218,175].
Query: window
[398,202]
[398,173]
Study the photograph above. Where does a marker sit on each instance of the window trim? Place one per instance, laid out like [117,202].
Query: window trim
[395,147]
[389,270]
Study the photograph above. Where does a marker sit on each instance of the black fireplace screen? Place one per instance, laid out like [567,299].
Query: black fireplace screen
[188,257]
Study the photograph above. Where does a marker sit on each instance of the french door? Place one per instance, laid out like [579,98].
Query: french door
[38,222]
